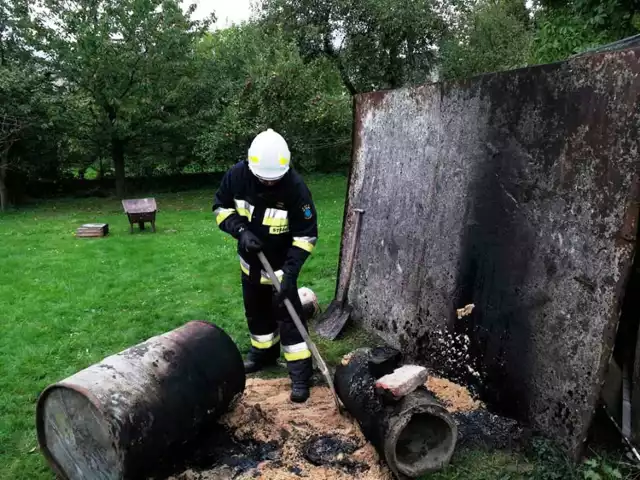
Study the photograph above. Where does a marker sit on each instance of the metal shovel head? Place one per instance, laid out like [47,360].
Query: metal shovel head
[333,321]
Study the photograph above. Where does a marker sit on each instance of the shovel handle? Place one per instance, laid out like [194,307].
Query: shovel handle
[300,327]
[342,292]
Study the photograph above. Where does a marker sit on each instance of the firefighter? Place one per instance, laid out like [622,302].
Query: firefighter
[264,204]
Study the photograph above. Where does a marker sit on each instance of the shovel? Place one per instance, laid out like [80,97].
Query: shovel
[305,335]
[335,318]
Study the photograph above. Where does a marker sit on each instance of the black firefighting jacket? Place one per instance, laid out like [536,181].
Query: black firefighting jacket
[283,216]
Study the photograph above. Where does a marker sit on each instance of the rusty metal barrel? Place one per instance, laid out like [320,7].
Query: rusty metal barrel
[116,418]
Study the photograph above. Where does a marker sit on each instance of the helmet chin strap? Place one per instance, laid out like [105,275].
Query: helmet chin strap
[266,181]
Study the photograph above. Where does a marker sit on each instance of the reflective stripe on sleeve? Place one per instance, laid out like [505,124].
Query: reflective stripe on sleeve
[305,243]
[265,280]
[244,266]
[222,214]
[299,351]
[263,342]
[244,208]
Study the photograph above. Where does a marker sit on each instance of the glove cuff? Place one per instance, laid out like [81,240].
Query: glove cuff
[290,273]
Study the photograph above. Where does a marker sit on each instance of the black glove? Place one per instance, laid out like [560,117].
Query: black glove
[249,242]
[287,288]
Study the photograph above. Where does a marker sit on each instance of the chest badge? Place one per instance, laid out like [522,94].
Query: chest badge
[307,212]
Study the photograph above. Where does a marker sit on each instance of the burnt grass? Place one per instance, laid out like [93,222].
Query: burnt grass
[217,451]
[332,451]
[489,446]
[483,430]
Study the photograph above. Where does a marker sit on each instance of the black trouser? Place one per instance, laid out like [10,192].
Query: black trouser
[271,325]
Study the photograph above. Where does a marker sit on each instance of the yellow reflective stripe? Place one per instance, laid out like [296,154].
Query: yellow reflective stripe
[274,217]
[222,214]
[292,357]
[299,351]
[244,269]
[254,159]
[264,278]
[305,243]
[244,213]
[276,222]
[244,208]
[265,341]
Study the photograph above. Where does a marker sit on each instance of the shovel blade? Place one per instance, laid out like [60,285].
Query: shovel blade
[333,321]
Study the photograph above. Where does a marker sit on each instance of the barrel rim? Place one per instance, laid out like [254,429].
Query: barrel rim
[92,399]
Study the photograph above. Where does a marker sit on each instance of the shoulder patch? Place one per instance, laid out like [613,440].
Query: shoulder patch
[307,212]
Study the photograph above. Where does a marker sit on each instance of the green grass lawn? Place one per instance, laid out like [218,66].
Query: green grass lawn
[66,303]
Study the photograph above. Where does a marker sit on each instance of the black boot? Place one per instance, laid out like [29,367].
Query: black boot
[300,372]
[300,392]
[259,359]
[252,366]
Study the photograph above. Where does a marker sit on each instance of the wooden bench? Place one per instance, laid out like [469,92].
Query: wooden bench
[141,210]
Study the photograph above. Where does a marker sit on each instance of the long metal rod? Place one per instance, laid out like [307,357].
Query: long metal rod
[633,449]
[301,329]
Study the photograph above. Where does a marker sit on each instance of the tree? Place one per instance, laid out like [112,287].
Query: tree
[129,57]
[495,35]
[24,93]
[373,43]
[258,80]
[566,28]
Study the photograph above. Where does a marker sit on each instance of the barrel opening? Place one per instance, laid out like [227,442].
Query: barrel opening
[424,443]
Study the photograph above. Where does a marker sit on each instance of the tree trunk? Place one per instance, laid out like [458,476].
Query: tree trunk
[394,68]
[117,155]
[4,192]
[330,52]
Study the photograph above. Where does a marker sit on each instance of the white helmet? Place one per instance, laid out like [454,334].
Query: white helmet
[269,156]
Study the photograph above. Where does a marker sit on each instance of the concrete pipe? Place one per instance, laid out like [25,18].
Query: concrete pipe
[116,418]
[415,435]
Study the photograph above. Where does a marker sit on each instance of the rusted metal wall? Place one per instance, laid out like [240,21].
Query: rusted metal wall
[516,192]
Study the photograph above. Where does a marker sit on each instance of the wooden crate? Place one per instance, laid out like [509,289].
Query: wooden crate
[92,230]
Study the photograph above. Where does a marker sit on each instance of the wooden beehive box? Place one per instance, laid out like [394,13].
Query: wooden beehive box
[92,230]
[141,210]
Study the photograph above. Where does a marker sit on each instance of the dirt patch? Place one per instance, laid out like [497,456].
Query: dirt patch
[276,439]
[266,436]
[266,414]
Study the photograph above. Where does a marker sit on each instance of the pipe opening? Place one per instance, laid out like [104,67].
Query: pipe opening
[424,443]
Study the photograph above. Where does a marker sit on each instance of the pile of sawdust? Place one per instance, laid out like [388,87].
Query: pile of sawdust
[266,415]
[454,397]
